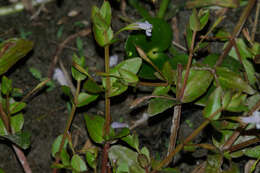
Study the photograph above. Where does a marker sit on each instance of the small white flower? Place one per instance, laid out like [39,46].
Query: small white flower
[144,26]
[253,119]
[117,125]
[113,60]
[60,77]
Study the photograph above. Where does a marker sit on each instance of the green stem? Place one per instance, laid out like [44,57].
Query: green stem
[163,8]
[68,124]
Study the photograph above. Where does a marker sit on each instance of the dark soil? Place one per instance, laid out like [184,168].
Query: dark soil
[46,112]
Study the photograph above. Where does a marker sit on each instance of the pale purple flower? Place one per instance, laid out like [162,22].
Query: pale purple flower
[144,26]
[113,60]
[253,119]
[60,77]
[117,125]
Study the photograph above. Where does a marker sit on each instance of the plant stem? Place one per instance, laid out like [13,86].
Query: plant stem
[19,153]
[188,65]
[108,90]
[236,31]
[163,8]
[68,124]
[107,107]
[188,139]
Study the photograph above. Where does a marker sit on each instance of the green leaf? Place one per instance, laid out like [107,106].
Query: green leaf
[244,51]
[146,152]
[92,87]
[123,156]
[65,157]
[168,72]
[21,139]
[78,164]
[95,126]
[237,103]
[214,163]
[228,62]
[194,21]
[17,122]
[3,130]
[1,170]
[197,84]
[133,65]
[158,105]
[128,76]
[56,145]
[124,132]
[66,90]
[250,71]
[76,74]
[214,104]
[17,107]
[154,47]
[6,85]
[253,152]
[85,98]
[36,73]
[13,50]
[231,80]
[105,12]
[117,85]
[91,157]
[161,91]
[101,19]
[203,17]
[132,140]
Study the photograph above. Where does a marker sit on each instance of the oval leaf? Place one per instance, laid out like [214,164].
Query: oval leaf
[197,84]
[95,126]
[214,103]
[78,164]
[85,98]
[11,51]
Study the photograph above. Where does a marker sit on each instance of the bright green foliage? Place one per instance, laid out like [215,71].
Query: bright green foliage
[17,107]
[77,75]
[85,98]
[6,85]
[56,145]
[101,24]
[237,103]
[3,130]
[65,157]
[91,157]
[197,84]
[123,74]
[230,80]
[92,87]
[1,170]
[17,122]
[214,104]
[22,139]
[124,159]
[154,47]
[36,73]
[13,50]
[158,105]
[95,125]
[78,164]
[132,140]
